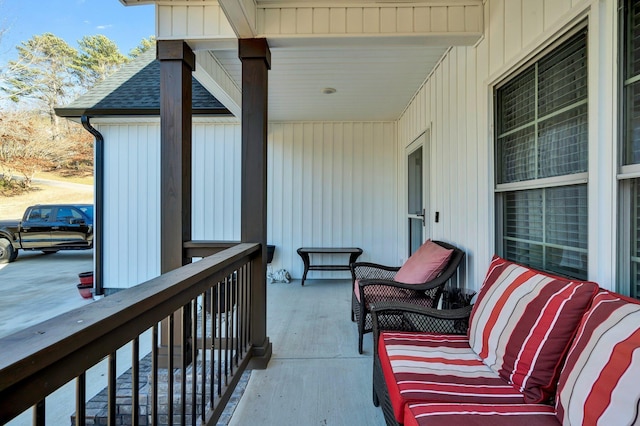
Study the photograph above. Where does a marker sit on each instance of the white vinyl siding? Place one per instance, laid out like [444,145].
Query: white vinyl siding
[455,103]
[329,184]
[132,195]
[332,185]
[216,182]
[131,204]
[193,22]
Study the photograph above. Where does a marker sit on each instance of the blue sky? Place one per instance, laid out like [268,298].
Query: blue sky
[73,19]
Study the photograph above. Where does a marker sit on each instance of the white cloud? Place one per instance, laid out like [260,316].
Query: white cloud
[104,27]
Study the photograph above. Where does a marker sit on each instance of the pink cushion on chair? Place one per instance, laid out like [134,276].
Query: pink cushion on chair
[425,264]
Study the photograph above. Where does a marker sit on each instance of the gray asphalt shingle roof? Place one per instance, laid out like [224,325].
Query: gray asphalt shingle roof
[135,90]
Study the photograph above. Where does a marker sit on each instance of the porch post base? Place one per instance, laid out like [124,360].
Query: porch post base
[163,357]
[260,355]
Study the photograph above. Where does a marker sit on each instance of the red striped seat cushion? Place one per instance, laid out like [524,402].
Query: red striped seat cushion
[600,383]
[421,367]
[523,322]
[440,414]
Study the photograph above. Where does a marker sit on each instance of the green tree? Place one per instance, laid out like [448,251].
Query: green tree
[99,57]
[4,49]
[144,45]
[41,74]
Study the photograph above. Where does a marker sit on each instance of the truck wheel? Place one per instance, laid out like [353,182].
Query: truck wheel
[7,252]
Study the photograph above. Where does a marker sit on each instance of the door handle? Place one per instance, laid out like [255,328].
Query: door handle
[57,227]
[422,216]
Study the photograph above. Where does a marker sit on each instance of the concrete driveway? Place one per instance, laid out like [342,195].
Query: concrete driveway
[37,287]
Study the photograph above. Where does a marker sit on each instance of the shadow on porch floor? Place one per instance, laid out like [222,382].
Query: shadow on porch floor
[315,376]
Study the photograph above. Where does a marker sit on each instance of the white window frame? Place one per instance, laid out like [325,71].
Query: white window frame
[624,235]
[626,176]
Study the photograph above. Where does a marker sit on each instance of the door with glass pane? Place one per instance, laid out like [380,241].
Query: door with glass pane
[416,190]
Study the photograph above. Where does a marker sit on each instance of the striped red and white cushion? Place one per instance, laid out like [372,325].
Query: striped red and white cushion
[438,368]
[600,381]
[523,322]
[442,414]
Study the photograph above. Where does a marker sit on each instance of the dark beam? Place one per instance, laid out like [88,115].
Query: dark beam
[256,62]
[177,62]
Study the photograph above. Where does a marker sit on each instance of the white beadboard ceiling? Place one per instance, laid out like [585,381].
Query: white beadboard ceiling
[372,84]
[375,74]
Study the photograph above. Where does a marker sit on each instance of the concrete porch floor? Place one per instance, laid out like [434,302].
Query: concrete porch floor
[315,376]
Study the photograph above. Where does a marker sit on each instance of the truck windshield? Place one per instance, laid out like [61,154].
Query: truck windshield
[88,210]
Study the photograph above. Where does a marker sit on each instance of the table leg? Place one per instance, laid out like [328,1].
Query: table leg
[305,260]
[353,257]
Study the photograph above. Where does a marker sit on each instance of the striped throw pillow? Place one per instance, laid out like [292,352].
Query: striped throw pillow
[600,383]
[523,322]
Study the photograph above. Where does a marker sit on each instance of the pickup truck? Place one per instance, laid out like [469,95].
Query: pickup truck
[47,228]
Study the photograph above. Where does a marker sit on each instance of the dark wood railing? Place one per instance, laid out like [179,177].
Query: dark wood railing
[212,299]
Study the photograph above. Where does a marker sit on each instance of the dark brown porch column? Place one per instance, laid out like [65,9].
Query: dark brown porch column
[256,62]
[177,61]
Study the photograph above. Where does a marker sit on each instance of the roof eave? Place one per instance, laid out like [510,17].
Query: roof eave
[135,112]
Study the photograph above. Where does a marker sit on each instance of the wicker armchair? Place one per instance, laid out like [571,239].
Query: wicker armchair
[375,283]
[400,316]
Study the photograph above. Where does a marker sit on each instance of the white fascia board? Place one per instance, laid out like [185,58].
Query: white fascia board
[241,14]
[119,121]
[217,81]
[459,23]
[136,2]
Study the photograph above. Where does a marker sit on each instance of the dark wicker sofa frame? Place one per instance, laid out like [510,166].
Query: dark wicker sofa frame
[376,284]
[400,316]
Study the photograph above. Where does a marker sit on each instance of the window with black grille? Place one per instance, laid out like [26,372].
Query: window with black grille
[629,170]
[541,138]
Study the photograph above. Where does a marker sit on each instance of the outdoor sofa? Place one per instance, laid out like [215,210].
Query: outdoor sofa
[536,350]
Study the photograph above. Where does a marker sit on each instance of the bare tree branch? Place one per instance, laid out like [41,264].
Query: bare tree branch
[27,145]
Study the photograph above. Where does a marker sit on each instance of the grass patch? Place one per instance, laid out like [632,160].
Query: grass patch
[82,175]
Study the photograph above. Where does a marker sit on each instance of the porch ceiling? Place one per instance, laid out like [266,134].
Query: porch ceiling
[374,54]
[371,83]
